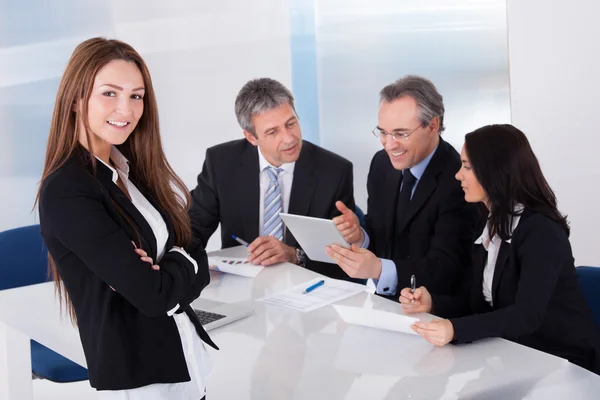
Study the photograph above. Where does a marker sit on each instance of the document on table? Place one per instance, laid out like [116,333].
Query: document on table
[234,265]
[331,291]
[376,319]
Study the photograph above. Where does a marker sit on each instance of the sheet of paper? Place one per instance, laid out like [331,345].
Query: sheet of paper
[331,291]
[376,319]
[234,265]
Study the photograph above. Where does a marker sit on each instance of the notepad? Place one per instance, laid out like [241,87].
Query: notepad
[234,265]
[331,291]
[376,319]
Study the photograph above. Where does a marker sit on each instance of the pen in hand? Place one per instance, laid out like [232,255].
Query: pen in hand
[413,286]
[313,287]
[240,241]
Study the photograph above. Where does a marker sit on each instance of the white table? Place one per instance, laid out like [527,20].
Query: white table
[283,354]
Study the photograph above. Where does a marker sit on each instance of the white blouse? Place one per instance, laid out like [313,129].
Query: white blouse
[493,248]
[199,363]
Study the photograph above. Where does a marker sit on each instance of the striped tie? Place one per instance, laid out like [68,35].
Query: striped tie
[273,226]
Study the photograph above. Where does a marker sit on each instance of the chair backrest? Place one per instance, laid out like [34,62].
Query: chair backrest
[361,215]
[23,257]
[589,279]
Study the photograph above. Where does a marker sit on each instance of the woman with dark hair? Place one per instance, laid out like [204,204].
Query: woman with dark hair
[522,284]
[114,217]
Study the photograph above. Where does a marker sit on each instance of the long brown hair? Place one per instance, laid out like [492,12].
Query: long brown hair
[143,148]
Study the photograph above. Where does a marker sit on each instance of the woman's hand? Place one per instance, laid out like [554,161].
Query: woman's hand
[144,257]
[419,301]
[438,332]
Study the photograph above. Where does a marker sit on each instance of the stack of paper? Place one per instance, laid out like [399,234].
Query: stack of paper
[234,265]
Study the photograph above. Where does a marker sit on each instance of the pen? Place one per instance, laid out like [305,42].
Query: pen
[240,241]
[413,285]
[313,287]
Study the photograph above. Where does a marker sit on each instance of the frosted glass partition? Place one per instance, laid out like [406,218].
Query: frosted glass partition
[199,53]
[335,55]
[460,45]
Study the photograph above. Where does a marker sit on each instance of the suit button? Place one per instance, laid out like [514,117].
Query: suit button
[407,257]
[386,289]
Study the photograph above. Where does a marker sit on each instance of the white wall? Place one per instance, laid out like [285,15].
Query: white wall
[199,54]
[554,80]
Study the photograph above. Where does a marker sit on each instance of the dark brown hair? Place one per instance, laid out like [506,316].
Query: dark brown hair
[509,172]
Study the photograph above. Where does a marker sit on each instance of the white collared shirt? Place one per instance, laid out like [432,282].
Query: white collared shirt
[285,179]
[197,357]
[493,248]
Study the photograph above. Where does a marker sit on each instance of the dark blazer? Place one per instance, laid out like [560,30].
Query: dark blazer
[435,237]
[228,193]
[128,339]
[536,295]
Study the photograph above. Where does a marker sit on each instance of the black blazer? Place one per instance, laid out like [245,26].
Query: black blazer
[437,232]
[536,295]
[228,192]
[128,339]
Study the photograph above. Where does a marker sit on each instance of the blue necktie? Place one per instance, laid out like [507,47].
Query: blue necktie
[273,226]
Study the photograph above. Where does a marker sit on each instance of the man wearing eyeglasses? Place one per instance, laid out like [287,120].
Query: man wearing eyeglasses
[417,222]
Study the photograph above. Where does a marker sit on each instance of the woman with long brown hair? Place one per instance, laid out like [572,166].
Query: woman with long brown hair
[114,217]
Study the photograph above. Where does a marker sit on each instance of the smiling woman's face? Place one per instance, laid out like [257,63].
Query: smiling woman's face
[115,104]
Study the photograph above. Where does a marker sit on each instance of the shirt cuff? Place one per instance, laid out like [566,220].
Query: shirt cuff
[367,240]
[388,280]
[172,311]
[186,255]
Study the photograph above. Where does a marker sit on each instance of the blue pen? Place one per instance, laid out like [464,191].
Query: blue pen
[313,287]
[240,241]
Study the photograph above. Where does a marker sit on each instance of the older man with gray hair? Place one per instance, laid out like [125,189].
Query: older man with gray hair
[418,224]
[246,183]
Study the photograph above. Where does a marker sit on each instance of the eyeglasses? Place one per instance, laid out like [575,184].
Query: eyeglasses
[382,135]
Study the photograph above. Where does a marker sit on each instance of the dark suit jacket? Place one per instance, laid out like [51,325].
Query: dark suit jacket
[536,295]
[228,193]
[128,339]
[437,232]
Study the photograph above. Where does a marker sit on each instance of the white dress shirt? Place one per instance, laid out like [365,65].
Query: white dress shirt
[197,358]
[493,248]
[285,179]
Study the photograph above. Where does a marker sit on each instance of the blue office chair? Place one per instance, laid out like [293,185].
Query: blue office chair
[589,279]
[25,262]
[360,214]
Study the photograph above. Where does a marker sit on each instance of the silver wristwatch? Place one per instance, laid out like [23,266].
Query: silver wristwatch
[300,257]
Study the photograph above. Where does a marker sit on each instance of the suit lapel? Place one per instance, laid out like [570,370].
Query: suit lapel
[479,258]
[388,204]
[131,214]
[123,202]
[303,184]
[427,184]
[170,228]
[245,180]
[501,262]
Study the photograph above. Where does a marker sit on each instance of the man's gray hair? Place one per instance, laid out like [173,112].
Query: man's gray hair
[430,102]
[258,96]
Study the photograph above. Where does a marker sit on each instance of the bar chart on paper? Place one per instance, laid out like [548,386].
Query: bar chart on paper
[331,291]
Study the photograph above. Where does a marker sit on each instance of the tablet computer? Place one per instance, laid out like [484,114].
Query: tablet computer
[313,235]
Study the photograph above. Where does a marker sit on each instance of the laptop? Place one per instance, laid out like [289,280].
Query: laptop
[213,314]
